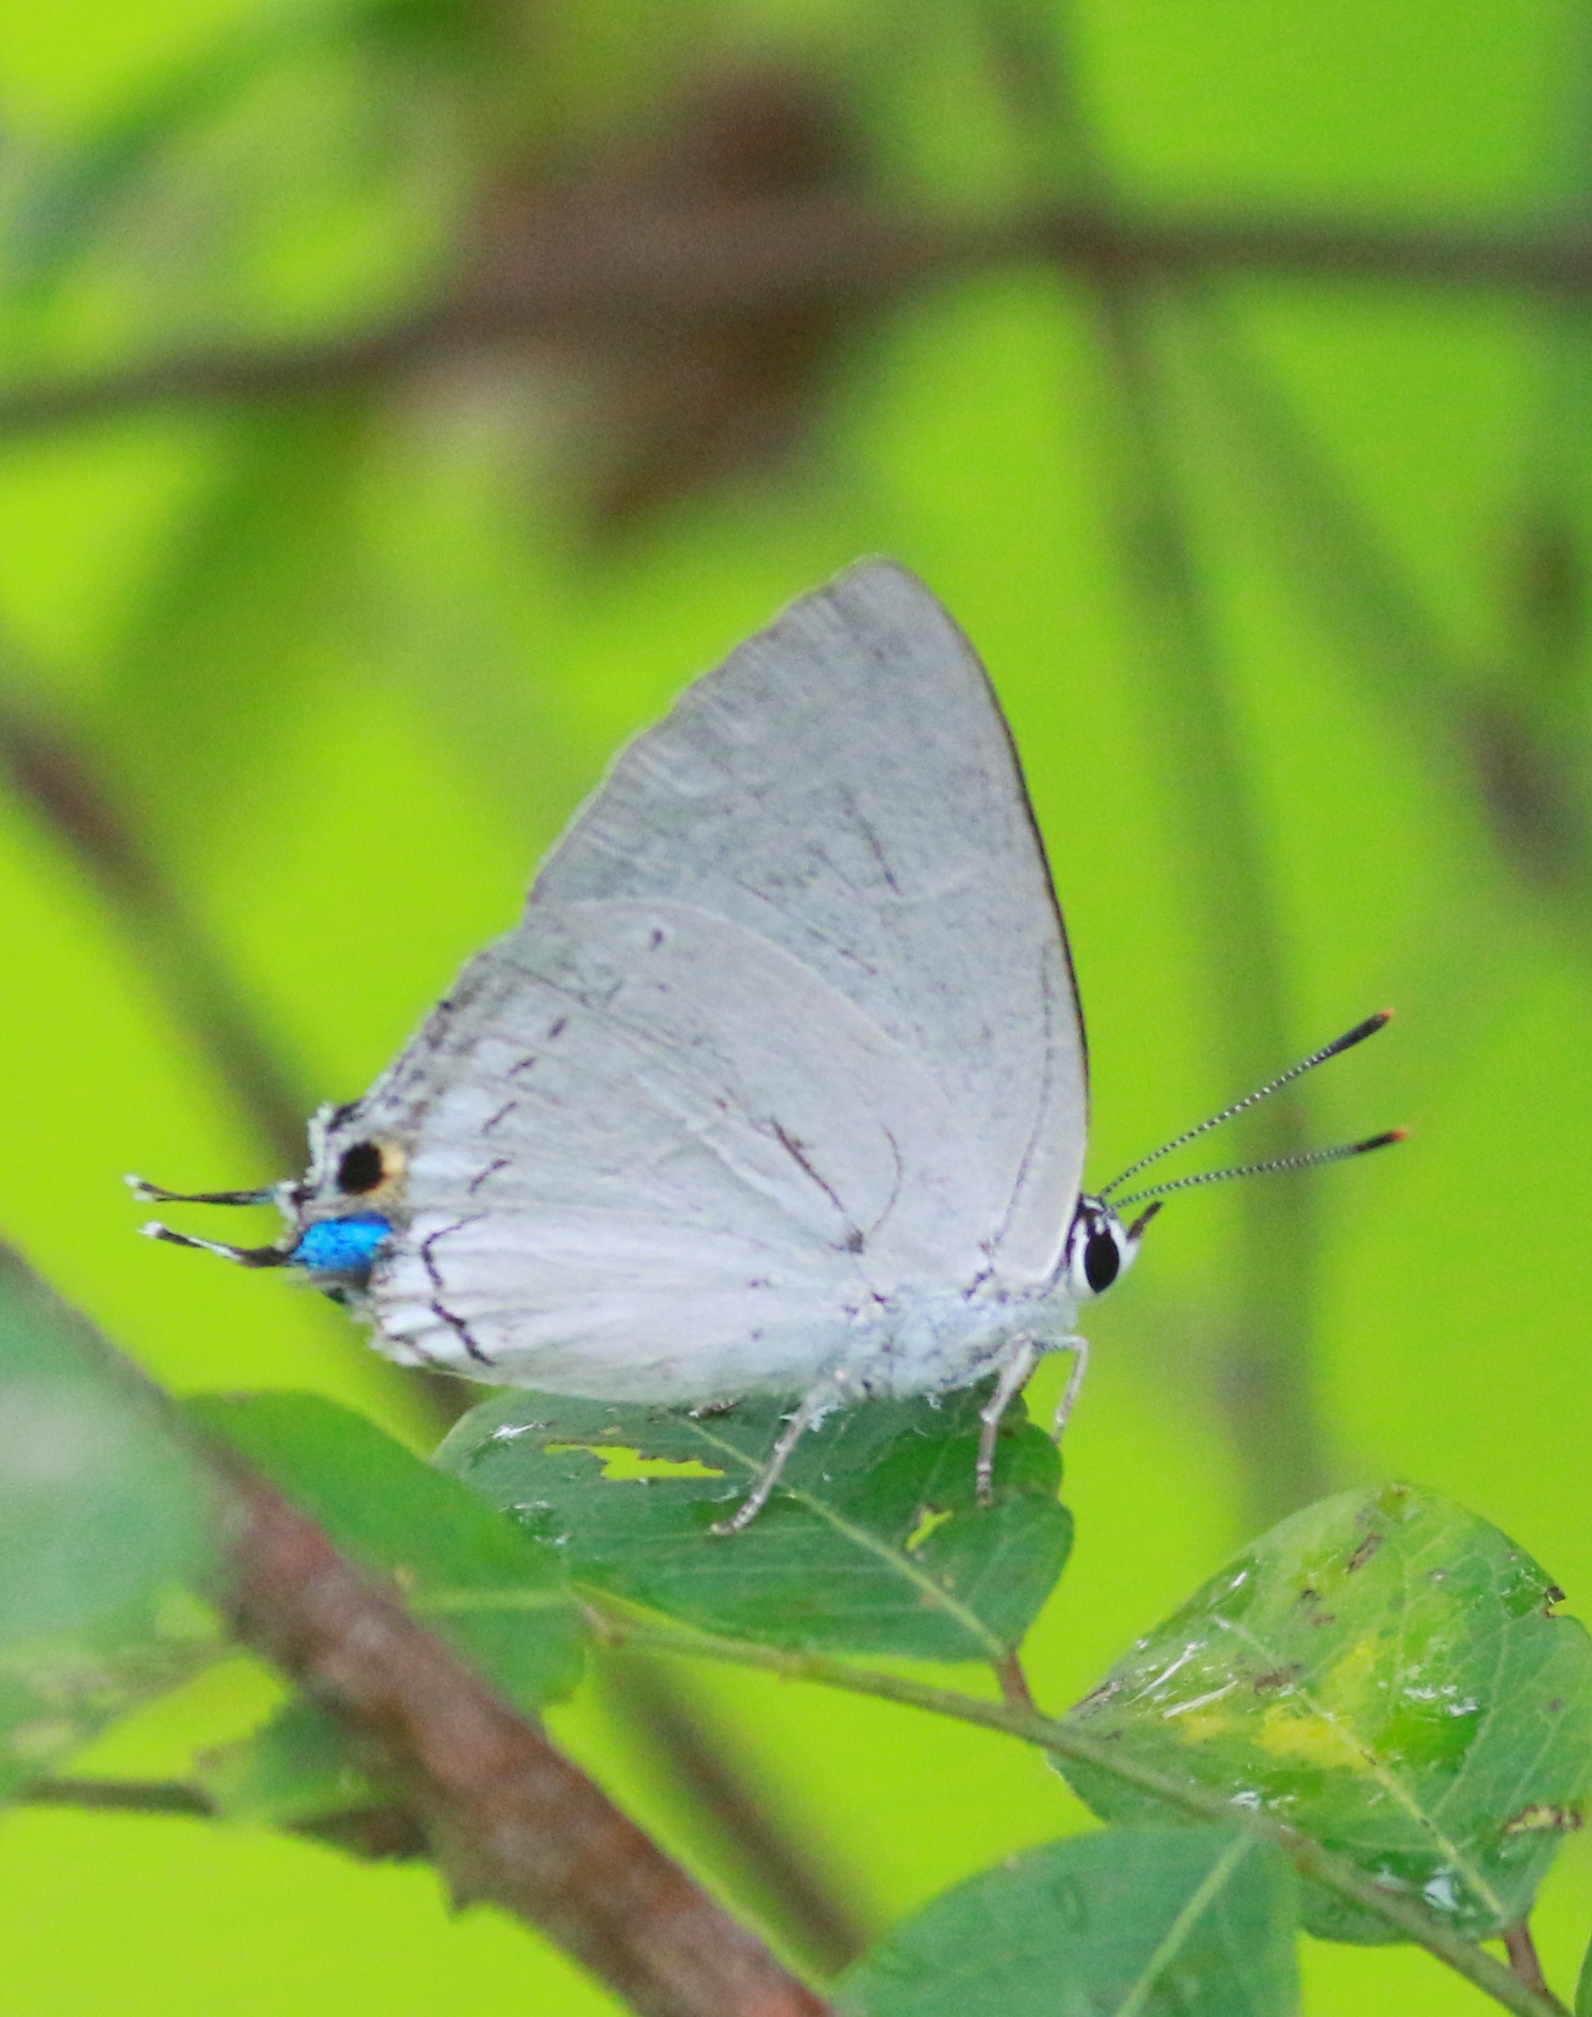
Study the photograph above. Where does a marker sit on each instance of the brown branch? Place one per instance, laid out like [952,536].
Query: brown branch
[62,786]
[509,1819]
[586,273]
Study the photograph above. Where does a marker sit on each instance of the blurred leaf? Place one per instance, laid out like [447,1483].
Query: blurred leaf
[76,199]
[872,1543]
[297,1766]
[258,589]
[1583,1988]
[1160,1922]
[103,1524]
[492,1591]
[1383,1671]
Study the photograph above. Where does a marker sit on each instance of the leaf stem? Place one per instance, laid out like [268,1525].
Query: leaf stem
[1015,1691]
[1407,1916]
[1523,1959]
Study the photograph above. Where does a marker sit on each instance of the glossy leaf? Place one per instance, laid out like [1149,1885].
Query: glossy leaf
[104,1525]
[495,1592]
[873,1542]
[1386,1672]
[1132,1922]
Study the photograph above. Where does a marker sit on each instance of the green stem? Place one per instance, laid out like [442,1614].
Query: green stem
[1410,1919]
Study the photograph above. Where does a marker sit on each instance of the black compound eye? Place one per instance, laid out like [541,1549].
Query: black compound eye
[1102,1261]
[361,1168]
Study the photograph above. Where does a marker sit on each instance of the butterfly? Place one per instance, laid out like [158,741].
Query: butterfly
[781,1083]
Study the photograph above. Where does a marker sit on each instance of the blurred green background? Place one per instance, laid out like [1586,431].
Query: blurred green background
[309,643]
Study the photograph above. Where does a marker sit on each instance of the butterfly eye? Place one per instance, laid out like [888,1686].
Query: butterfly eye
[1102,1260]
[361,1168]
[1098,1249]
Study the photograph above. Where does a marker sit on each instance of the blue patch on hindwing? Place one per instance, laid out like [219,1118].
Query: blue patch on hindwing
[342,1247]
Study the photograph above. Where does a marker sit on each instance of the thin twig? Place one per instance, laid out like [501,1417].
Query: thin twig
[730,261]
[376,1834]
[788,1886]
[1408,1917]
[61,785]
[1265,1384]
[122,1796]
[1451,705]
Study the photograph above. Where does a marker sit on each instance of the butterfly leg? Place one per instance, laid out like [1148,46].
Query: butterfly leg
[817,1404]
[1079,1347]
[1014,1377]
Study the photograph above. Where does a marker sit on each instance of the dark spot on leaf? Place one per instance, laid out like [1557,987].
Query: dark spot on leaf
[1307,1596]
[1555,1707]
[1554,1594]
[1563,1820]
[1364,1552]
[1278,1678]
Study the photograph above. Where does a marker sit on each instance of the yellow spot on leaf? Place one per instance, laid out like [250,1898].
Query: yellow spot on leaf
[622,1464]
[928,1520]
[1295,1730]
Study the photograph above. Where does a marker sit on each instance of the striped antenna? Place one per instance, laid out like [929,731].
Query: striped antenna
[1303,1162]
[1334,1049]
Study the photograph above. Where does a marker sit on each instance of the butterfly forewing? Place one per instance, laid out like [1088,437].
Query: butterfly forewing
[845,786]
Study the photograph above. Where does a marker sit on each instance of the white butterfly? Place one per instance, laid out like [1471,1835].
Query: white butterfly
[779,1086]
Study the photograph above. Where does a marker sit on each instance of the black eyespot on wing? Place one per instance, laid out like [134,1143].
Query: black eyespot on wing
[360,1168]
[1102,1262]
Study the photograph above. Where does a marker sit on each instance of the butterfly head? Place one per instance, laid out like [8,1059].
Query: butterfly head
[1100,1247]
[339,1216]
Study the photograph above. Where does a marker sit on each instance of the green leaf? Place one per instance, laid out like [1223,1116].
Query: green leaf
[76,200]
[1385,1672]
[873,1542]
[1583,1987]
[294,1768]
[1132,1922]
[103,1525]
[493,1591]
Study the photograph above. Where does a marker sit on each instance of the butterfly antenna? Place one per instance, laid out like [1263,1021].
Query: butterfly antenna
[246,1257]
[1334,1049]
[157,1194]
[1303,1162]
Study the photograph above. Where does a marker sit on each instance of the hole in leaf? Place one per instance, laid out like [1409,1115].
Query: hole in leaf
[929,1520]
[624,1464]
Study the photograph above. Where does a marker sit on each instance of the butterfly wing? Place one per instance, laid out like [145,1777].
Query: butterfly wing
[816,1031]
